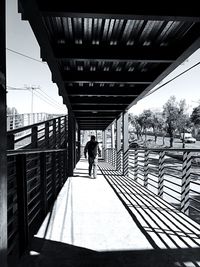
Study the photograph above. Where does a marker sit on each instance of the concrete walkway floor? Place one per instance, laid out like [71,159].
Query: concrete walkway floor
[87,213]
[90,227]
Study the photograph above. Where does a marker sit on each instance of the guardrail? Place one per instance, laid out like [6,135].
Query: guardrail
[20,120]
[35,178]
[47,134]
[173,174]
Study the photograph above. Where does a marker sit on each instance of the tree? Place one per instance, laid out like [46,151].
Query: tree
[157,124]
[145,121]
[176,117]
[183,122]
[135,122]
[195,116]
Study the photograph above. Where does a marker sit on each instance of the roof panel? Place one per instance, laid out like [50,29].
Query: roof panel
[104,60]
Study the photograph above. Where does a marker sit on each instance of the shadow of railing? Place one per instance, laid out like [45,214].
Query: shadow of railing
[53,253]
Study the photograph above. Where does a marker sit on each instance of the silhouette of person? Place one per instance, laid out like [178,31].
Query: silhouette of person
[93,150]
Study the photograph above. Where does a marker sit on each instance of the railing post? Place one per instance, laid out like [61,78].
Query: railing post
[22,203]
[71,144]
[113,143]
[161,173]
[146,167]
[65,129]
[43,182]
[104,145]
[34,137]
[47,134]
[54,133]
[59,131]
[8,122]
[65,165]
[135,164]
[10,141]
[29,119]
[54,170]
[60,170]
[125,144]
[118,143]
[185,186]
[79,143]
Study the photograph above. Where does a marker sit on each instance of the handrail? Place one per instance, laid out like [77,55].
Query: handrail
[176,185]
[169,149]
[35,177]
[33,151]
[20,129]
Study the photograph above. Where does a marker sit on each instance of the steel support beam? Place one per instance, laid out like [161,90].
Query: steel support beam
[71,144]
[3,141]
[118,143]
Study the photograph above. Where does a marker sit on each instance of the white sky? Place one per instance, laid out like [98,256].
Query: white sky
[187,87]
[23,72]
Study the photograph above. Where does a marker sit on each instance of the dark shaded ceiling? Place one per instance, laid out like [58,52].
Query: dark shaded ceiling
[104,59]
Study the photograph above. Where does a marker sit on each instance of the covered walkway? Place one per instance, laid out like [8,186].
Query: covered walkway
[85,228]
[104,59]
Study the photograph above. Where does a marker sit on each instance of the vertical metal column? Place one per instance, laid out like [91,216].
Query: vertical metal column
[146,167]
[118,137]
[103,145]
[79,143]
[3,141]
[185,187]
[106,145]
[125,143]
[71,143]
[136,164]
[113,144]
[161,173]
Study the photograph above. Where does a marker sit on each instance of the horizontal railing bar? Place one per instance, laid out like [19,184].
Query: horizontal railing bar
[193,182]
[172,196]
[172,182]
[31,126]
[153,180]
[174,176]
[32,151]
[32,189]
[195,200]
[153,185]
[34,198]
[172,169]
[41,130]
[171,189]
[22,138]
[170,149]
[194,208]
[33,218]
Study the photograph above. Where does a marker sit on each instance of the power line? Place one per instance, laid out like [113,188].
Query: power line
[50,102]
[47,101]
[18,53]
[180,74]
[49,97]
[15,88]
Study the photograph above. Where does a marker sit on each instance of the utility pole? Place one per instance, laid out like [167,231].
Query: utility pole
[32,88]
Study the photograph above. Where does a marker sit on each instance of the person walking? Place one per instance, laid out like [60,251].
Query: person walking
[93,150]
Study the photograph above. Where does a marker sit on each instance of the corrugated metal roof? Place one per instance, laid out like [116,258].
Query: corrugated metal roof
[104,61]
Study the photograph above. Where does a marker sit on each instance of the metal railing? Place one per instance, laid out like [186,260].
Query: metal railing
[15,121]
[47,134]
[34,180]
[173,174]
